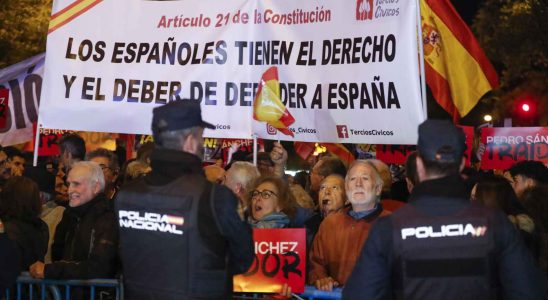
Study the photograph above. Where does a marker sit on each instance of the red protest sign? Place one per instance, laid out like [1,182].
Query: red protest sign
[280,257]
[508,145]
[48,142]
[397,154]
[4,110]
[394,154]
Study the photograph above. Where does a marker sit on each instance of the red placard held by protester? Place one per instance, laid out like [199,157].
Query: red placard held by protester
[280,257]
[49,139]
[4,110]
[507,145]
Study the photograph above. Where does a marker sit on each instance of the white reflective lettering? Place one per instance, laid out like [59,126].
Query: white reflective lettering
[150,221]
[448,230]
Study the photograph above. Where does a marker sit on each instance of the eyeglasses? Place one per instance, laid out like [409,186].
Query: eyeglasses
[266,194]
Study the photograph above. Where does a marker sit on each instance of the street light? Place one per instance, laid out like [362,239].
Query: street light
[487,118]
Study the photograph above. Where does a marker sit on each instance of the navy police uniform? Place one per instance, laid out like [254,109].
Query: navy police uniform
[425,251]
[180,236]
[440,245]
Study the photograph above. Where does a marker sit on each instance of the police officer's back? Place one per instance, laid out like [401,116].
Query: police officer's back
[440,246]
[180,236]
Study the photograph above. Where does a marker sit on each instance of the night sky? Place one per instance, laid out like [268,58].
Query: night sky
[467,9]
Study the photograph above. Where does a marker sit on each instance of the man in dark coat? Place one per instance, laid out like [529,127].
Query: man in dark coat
[86,239]
[9,260]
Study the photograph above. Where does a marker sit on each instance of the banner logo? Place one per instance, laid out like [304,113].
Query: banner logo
[342,131]
[364,10]
[271,129]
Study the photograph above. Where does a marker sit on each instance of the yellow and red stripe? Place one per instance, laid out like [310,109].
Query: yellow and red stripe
[341,151]
[70,12]
[457,70]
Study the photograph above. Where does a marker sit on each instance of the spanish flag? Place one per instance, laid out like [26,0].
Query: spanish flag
[268,106]
[340,151]
[70,12]
[457,70]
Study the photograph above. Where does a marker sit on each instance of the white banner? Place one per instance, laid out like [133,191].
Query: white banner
[348,70]
[23,82]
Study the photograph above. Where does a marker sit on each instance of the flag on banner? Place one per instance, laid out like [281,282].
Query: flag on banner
[457,70]
[268,106]
[70,12]
[341,151]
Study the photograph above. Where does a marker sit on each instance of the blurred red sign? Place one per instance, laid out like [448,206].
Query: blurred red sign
[280,257]
[397,154]
[394,154]
[4,108]
[49,139]
[507,145]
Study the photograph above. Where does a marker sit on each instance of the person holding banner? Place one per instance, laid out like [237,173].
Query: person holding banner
[180,236]
[341,235]
[440,245]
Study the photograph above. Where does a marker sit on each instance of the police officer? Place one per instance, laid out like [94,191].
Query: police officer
[440,246]
[180,236]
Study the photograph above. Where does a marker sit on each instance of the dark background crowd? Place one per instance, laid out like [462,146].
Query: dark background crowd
[58,219]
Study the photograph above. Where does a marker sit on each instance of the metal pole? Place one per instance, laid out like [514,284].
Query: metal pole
[255,147]
[36,143]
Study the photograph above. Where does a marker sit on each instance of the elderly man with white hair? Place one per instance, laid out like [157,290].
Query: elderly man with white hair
[239,179]
[341,235]
[86,239]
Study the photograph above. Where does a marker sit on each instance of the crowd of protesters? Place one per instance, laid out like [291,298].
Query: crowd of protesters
[58,221]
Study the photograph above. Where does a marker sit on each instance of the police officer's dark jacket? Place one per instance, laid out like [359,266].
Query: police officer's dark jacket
[440,246]
[9,260]
[180,236]
[85,243]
